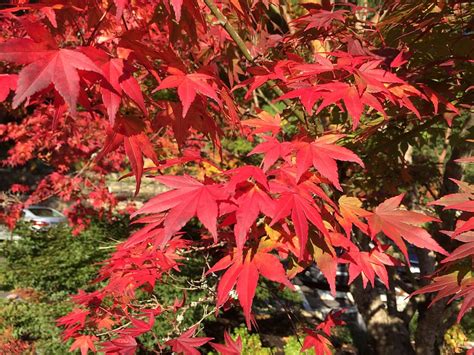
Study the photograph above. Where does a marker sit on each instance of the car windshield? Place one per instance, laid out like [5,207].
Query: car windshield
[44,212]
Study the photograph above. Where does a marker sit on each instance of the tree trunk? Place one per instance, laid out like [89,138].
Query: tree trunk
[389,334]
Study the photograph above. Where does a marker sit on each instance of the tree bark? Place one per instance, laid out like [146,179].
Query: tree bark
[388,333]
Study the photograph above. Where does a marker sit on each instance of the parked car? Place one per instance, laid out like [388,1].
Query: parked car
[42,217]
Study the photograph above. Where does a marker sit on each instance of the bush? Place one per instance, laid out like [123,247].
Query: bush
[44,268]
[56,262]
[34,323]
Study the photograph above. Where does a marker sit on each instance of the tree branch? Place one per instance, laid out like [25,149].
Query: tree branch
[224,22]
[230,30]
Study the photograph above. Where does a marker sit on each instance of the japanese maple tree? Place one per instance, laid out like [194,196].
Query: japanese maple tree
[329,95]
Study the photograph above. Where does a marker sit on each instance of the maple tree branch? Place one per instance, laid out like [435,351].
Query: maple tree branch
[224,22]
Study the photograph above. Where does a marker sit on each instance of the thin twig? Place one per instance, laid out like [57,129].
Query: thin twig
[97,26]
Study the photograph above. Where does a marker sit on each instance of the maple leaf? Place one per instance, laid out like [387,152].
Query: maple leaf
[249,205]
[301,209]
[321,344]
[177,4]
[105,323]
[272,150]
[260,76]
[7,83]
[186,344]
[333,318]
[399,224]
[123,345]
[369,265]
[462,201]
[128,131]
[76,316]
[264,123]
[399,60]
[308,95]
[244,274]
[188,86]
[456,284]
[318,340]
[463,251]
[139,326]
[351,213]
[231,347]
[243,174]
[24,50]
[120,78]
[325,257]
[46,66]
[353,100]
[322,155]
[321,19]
[84,343]
[188,198]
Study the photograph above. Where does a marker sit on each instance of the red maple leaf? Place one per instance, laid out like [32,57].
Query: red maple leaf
[120,77]
[189,85]
[264,123]
[353,100]
[398,224]
[231,347]
[249,204]
[319,339]
[129,132]
[308,95]
[123,345]
[351,213]
[272,150]
[301,209]
[139,326]
[325,257]
[244,273]
[369,265]
[462,201]
[186,343]
[320,343]
[120,5]
[456,284]
[47,65]
[188,198]
[84,343]
[322,155]
[321,19]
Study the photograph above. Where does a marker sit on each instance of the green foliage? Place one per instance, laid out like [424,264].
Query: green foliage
[251,343]
[186,284]
[55,264]
[293,347]
[35,322]
[55,261]
[239,147]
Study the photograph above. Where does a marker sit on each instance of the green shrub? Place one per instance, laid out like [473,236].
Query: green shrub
[52,264]
[56,262]
[35,323]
